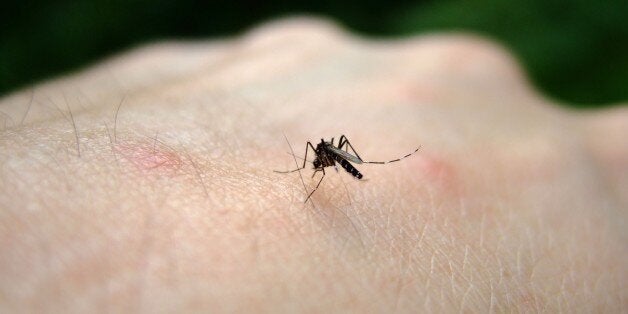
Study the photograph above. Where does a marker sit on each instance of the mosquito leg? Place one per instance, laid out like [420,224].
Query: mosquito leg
[315,171]
[341,143]
[394,160]
[316,188]
[308,145]
[345,141]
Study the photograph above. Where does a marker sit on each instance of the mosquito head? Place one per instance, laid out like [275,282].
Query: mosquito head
[316,163]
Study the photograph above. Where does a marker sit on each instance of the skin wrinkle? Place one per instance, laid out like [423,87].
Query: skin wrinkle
[452,266]
[405,272]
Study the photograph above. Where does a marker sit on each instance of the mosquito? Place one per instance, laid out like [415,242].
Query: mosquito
[327,155]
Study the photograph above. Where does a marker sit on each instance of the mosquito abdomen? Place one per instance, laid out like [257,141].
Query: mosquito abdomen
[350,168]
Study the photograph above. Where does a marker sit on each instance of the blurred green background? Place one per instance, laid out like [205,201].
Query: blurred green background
[574,51]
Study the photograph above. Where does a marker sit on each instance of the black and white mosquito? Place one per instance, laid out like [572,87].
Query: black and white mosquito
[327,154]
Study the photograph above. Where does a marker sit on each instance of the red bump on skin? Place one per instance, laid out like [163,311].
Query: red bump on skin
[147,156]
[438,172]
[416,92]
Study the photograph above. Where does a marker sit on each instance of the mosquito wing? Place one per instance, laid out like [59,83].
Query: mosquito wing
[344,154]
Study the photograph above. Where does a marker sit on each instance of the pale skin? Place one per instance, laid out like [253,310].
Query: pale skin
[146,183]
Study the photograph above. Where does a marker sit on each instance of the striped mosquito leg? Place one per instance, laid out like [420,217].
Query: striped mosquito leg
[394,160]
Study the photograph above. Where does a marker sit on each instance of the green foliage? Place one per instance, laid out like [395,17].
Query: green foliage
[574,51]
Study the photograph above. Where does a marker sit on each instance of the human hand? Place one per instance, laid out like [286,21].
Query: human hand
[145,183]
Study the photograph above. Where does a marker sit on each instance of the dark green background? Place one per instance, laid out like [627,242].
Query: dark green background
[574,51]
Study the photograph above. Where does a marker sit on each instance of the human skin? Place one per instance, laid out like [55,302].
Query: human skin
[146,183]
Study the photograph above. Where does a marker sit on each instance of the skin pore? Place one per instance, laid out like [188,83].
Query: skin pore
[146,183]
